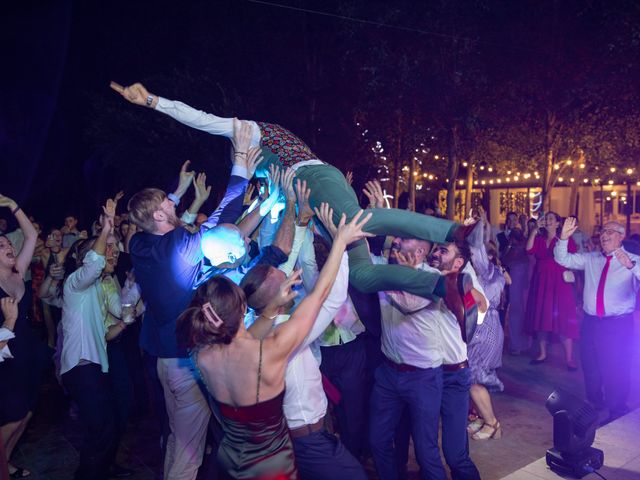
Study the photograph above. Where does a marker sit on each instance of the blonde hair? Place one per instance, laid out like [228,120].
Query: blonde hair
[142,205]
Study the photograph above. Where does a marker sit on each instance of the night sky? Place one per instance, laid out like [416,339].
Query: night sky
[68,141]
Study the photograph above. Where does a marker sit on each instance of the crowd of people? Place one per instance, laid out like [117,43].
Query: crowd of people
[288,301]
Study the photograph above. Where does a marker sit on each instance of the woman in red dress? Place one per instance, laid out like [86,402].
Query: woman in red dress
[551,307]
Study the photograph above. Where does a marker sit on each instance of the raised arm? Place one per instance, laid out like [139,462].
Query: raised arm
[575,261]
[284,236]
[23,260]
[291,334]
[139,95]
[93,264]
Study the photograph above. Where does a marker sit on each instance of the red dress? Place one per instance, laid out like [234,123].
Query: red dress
[551,306]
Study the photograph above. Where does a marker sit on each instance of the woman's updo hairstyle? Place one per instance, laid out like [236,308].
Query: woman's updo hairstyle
[196,329]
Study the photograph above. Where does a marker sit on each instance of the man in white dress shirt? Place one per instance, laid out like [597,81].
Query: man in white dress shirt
[411,377]
[611,285]
[319,454]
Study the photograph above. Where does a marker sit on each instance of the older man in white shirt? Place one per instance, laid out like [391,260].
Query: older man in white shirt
[612,278]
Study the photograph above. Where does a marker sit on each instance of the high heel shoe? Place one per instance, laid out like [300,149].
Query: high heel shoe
[475,425]
[495,431]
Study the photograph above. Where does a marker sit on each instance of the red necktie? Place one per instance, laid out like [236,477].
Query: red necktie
[600,294]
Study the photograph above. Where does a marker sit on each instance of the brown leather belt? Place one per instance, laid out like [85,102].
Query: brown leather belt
[307,429]
[454,367]
[403,367]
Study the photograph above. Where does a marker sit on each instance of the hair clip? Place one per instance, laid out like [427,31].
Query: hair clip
[211,315]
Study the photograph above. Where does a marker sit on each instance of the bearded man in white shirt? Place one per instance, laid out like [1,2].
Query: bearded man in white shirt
[612,278]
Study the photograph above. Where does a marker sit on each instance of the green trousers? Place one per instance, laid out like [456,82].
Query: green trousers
[327,184]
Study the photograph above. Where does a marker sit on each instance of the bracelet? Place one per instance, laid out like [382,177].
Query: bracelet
[15,210]
[149,100]
[270,318]
[240,153]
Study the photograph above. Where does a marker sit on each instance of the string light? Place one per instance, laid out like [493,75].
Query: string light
[572,179]
[582,165]
[556,167]
[560,179]
[460,182]
[610,182]
[465,164]
[612,169]
[629,171]
[585,180]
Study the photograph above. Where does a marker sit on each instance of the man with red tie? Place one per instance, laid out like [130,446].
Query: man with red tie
[612,278]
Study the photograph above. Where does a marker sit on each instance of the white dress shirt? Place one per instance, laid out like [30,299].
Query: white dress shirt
[83,316]
[213,124]
[419,332]
[621,285]
[305,402]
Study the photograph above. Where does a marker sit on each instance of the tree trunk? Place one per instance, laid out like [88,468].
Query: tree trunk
[547,179]
[398,161]
[453,167]
[468,188]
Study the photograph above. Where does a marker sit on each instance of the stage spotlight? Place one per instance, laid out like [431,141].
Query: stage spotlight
[574,429]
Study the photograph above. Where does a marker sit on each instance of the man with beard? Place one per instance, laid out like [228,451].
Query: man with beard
[167,259]
[424,374]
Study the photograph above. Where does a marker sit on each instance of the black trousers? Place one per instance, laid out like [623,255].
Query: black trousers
[345,365]
[91,390]
[605,350]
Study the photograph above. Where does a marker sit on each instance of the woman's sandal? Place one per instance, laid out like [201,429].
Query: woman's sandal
[494,431]
[475,425]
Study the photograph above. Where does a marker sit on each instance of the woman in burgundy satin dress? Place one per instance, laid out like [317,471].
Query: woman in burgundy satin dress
[244,370]
[551,306]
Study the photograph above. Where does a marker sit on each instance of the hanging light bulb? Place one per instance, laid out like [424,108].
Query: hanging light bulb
[629,171]
[560,179]
[465,164]
[610,182]
[612,169]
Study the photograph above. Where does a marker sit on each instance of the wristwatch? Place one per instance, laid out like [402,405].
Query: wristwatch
[149,100]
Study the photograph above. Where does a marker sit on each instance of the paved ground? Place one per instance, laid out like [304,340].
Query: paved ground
[51,443]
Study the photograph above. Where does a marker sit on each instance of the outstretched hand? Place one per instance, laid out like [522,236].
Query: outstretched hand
[9,308]
[286,182]
[352,231]
[568,228]
[325,215]
[202,192]
[286,293]
[185,179]
[349,177]
[136,94]
[373,190]
[253,160]
[408,259]
[305,212]
[7,202]
[241,139]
